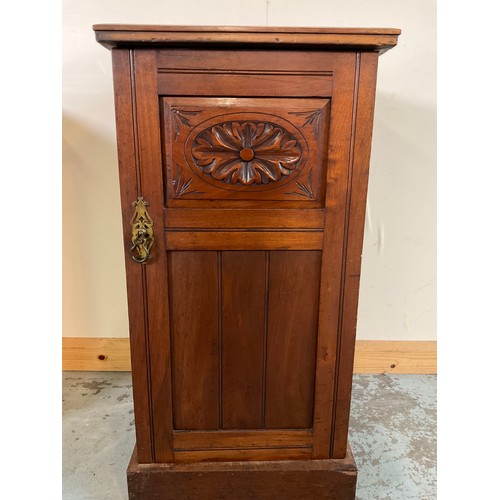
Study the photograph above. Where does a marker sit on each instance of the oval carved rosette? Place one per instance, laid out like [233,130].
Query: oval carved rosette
[240,153]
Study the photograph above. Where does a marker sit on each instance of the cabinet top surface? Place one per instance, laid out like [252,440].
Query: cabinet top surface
[129,35]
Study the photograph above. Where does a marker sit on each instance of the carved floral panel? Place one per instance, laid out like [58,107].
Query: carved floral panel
[243,149]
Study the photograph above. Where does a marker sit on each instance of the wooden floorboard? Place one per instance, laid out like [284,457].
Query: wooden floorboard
[372,356]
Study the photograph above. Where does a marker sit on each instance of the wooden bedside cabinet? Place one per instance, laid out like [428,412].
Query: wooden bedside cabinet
[243,157]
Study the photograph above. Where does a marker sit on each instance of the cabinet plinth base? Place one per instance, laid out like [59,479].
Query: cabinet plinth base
[333,479]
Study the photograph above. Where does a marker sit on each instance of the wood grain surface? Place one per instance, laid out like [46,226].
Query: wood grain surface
[243,316]
[261,240]
[223,219]
[251,146]
[155,277]
[353,246]
[266,480]
[293,321]
[339,139]
[130,189]
[241,439]
[116,35]
[194,326]
[371,356]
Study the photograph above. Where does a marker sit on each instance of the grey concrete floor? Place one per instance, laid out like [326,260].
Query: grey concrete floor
[392,434]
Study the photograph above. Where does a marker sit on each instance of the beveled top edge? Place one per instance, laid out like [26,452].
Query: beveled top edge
[244,29]
[114,36]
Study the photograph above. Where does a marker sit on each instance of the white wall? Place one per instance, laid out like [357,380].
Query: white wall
[397,295]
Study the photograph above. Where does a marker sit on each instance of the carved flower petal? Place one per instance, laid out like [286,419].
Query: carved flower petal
[246,174]
[205,155]
[251,132]
[205,161]
[237,133]
[281,156]
[286,168]
[272,143]
[261,133]
[225,170]
[268,168]
[259,179]
[259,130]
[204,140]
[222,138]
[269,136]
[281,168]
[242,133]
[289,144]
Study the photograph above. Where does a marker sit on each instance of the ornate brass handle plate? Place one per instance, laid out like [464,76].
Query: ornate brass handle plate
[142,232]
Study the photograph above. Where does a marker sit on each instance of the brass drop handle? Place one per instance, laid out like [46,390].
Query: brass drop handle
[142,232]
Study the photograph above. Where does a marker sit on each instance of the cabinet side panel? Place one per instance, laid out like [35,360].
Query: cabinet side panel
[156,275]
[194,338]
[129,190]
[339,140]
[291,341]
[243,281]
[355,219]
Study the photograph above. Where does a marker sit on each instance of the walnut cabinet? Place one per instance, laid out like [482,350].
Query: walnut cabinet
[243,159]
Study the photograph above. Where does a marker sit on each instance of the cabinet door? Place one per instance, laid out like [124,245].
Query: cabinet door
[244,160]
